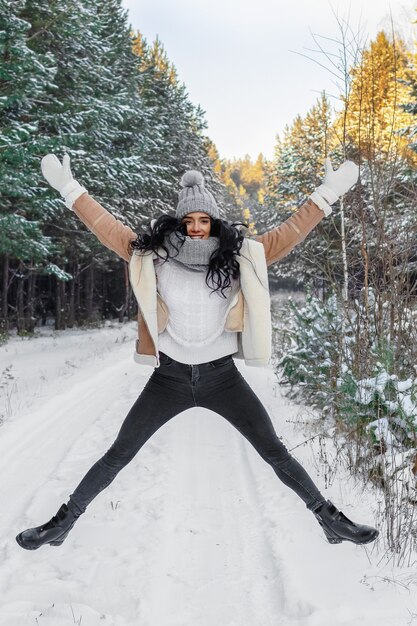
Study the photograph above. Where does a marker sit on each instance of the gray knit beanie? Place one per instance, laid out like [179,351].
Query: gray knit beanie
[194,196]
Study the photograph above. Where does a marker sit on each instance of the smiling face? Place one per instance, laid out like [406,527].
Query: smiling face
[198,225]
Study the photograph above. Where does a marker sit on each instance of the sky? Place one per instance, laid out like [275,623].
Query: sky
[243,62]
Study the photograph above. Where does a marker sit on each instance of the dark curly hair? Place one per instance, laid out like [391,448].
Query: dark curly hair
[222,264]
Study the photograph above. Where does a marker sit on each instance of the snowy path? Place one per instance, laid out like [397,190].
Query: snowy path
[196,531]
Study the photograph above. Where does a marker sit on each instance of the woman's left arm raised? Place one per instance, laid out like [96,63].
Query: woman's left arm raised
[279,241]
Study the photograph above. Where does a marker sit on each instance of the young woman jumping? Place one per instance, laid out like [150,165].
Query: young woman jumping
[203,298]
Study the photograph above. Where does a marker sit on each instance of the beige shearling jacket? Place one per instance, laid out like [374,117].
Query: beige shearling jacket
[248,313]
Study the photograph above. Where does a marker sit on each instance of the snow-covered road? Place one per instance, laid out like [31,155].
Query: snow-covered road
[196,531]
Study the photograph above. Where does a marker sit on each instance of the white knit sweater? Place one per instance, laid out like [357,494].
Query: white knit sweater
[194,333]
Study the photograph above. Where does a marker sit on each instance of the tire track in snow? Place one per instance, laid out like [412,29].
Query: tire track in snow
[38,441]
[212,563]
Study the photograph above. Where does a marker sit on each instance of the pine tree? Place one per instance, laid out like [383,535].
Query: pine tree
[24,78]
[243,181]
[299,157]
[178,143]
[290,178]
[373,114]
[409,131]
[93,110]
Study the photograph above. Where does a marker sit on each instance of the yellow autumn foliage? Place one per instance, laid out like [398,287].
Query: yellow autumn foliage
[373,116]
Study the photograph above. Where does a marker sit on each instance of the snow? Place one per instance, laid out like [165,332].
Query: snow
[382,432]
[197,530]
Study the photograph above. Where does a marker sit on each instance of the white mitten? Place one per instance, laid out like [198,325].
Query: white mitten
[60,178]
[335,184]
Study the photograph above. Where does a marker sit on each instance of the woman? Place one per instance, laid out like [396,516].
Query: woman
[202,292]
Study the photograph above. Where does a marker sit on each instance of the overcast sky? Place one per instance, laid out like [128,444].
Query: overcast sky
[239,60]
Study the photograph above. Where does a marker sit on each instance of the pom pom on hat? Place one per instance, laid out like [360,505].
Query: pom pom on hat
[194,196]
[191,178]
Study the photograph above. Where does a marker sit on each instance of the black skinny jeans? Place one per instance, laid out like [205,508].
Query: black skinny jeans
[174,387]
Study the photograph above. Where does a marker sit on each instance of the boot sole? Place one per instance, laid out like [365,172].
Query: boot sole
[333,539]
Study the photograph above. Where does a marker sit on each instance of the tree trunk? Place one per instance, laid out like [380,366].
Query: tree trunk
[57,305]
[125,304]
[63,296]
[71,302]
[78,276]
[90,292]
[31,319]
[127,291]
[4,326]
[105,304]
[20,305]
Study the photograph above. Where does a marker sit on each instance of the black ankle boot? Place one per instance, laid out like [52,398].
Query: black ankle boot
[337,527]
[53,532]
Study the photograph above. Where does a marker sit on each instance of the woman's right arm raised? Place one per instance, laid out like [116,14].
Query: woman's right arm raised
[111,232]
